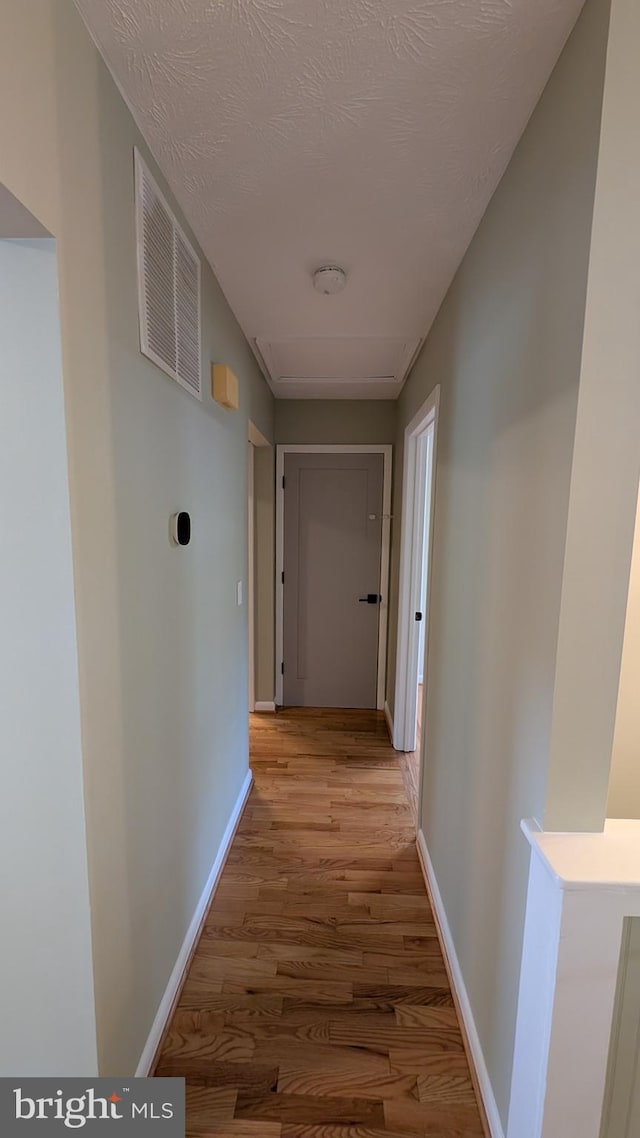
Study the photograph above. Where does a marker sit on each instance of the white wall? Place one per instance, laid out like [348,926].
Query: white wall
[624,785]
[47,1024]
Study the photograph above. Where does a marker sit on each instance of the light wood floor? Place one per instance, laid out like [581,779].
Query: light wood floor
[317,1003]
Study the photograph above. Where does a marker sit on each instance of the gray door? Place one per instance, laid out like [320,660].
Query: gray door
[332,553]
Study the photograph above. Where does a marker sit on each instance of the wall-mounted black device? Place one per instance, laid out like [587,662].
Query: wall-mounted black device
[180,528]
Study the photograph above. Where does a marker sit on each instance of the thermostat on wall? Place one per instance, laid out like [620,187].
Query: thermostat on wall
[225,388]
[180,528]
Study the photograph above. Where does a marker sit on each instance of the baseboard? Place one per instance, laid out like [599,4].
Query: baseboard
[265,705]
[176,980]
[387,715]
[480,1076]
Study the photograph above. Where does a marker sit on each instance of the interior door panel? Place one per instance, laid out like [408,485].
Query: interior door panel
[332,565]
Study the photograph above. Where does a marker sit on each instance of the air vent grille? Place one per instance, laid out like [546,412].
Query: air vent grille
[168,286]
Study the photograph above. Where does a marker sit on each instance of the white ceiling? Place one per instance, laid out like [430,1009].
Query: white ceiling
[365,133]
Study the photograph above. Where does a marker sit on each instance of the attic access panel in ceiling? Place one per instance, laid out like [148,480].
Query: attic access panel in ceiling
[315,367]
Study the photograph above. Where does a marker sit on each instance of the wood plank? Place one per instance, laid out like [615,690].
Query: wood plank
[338,1131]
[292,1050]
[258,1078]
[381,1039]
[446,1089]
[243,1128]
[418,1060]
[191,1054]
[196,995]
[206,1105]
[452,1121]
[323,968]
[299,1078]
[291,952]
[320,992]
[409,1015]
[311,1108]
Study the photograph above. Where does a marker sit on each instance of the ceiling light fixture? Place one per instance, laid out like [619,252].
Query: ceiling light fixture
[329,279]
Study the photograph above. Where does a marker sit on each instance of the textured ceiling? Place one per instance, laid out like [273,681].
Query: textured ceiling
[367,133]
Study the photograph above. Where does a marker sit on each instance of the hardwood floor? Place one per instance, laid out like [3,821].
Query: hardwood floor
[317,1003]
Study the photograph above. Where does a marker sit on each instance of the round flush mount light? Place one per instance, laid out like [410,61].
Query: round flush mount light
[329,279]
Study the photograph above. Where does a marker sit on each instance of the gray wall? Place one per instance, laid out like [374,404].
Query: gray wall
[338,421]
[506,351]
[162,645]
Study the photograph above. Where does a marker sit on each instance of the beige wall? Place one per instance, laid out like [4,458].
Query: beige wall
[337,421]
[506,351]
[162,645]
[624,787]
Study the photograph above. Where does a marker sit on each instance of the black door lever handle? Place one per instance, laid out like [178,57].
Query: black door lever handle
[370,599]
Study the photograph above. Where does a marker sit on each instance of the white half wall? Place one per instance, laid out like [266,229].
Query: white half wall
[47,1025]
[582,888]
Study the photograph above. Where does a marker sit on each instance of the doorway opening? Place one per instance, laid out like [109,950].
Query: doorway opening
[413,609]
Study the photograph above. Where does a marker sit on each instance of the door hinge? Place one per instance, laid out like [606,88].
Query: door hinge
[283,577]
[282,668]
[283,481]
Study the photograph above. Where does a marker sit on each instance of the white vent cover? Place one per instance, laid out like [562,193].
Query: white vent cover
[168,286]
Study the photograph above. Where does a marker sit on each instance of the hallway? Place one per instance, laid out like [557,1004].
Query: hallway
[317,1004]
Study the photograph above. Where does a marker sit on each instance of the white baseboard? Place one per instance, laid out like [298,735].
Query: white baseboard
[265,705]
[387,715]
[176,978]
[474,1048]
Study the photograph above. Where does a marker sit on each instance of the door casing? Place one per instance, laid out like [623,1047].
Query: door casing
[255,438]
[411,557]
[383,620]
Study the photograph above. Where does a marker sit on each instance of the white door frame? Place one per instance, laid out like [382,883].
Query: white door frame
[255,438]
[251,607]
[387,452]
[412,552]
